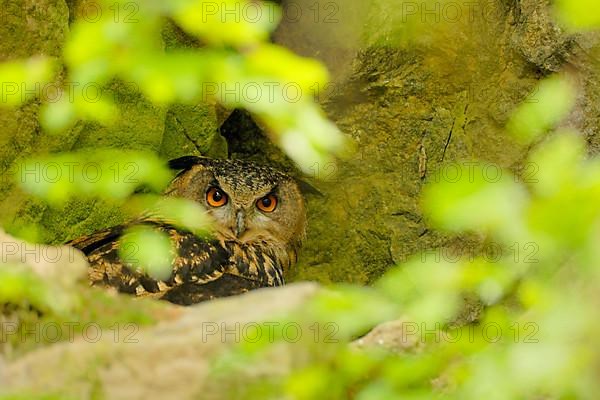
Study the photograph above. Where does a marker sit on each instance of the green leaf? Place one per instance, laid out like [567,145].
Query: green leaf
[231,22]
[580,14]
[149,250]
[552,102]
[184,213]
[25,79]
[477,201]
[104,173]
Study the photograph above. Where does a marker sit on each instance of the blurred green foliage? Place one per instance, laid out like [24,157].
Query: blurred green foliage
[98,173]
[156,256]
[38,310]
[17,285]
[581,14]
[540,294]
[236,67]
[536,336]
[556,96]
[25,73]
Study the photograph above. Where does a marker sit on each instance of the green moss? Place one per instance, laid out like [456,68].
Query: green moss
[179,130]
[189,130]
[140,124]
[32,27]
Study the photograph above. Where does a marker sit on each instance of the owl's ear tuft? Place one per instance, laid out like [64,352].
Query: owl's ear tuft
[306,188]
[185,162]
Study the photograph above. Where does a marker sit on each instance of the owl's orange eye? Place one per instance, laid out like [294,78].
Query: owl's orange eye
[267,203]
[215,197]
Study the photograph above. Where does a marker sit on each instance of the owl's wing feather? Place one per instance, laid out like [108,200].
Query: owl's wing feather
[89,243]
[226,285]
[202,268]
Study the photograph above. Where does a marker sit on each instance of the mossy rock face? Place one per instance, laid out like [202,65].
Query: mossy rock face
[35,28]
[192,129]
[416,97]
[32,27]
[416,106]
[413,106]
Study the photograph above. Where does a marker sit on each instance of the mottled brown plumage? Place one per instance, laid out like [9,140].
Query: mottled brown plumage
[251,245]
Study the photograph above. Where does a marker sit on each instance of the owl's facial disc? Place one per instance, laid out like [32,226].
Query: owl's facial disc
[247,202]
[240,218]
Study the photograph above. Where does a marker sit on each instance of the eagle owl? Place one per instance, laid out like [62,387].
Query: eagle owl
[259,223]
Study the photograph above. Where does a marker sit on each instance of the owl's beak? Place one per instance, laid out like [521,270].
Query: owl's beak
[240,223]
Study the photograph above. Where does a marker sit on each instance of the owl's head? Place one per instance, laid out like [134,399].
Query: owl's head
[247,202]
